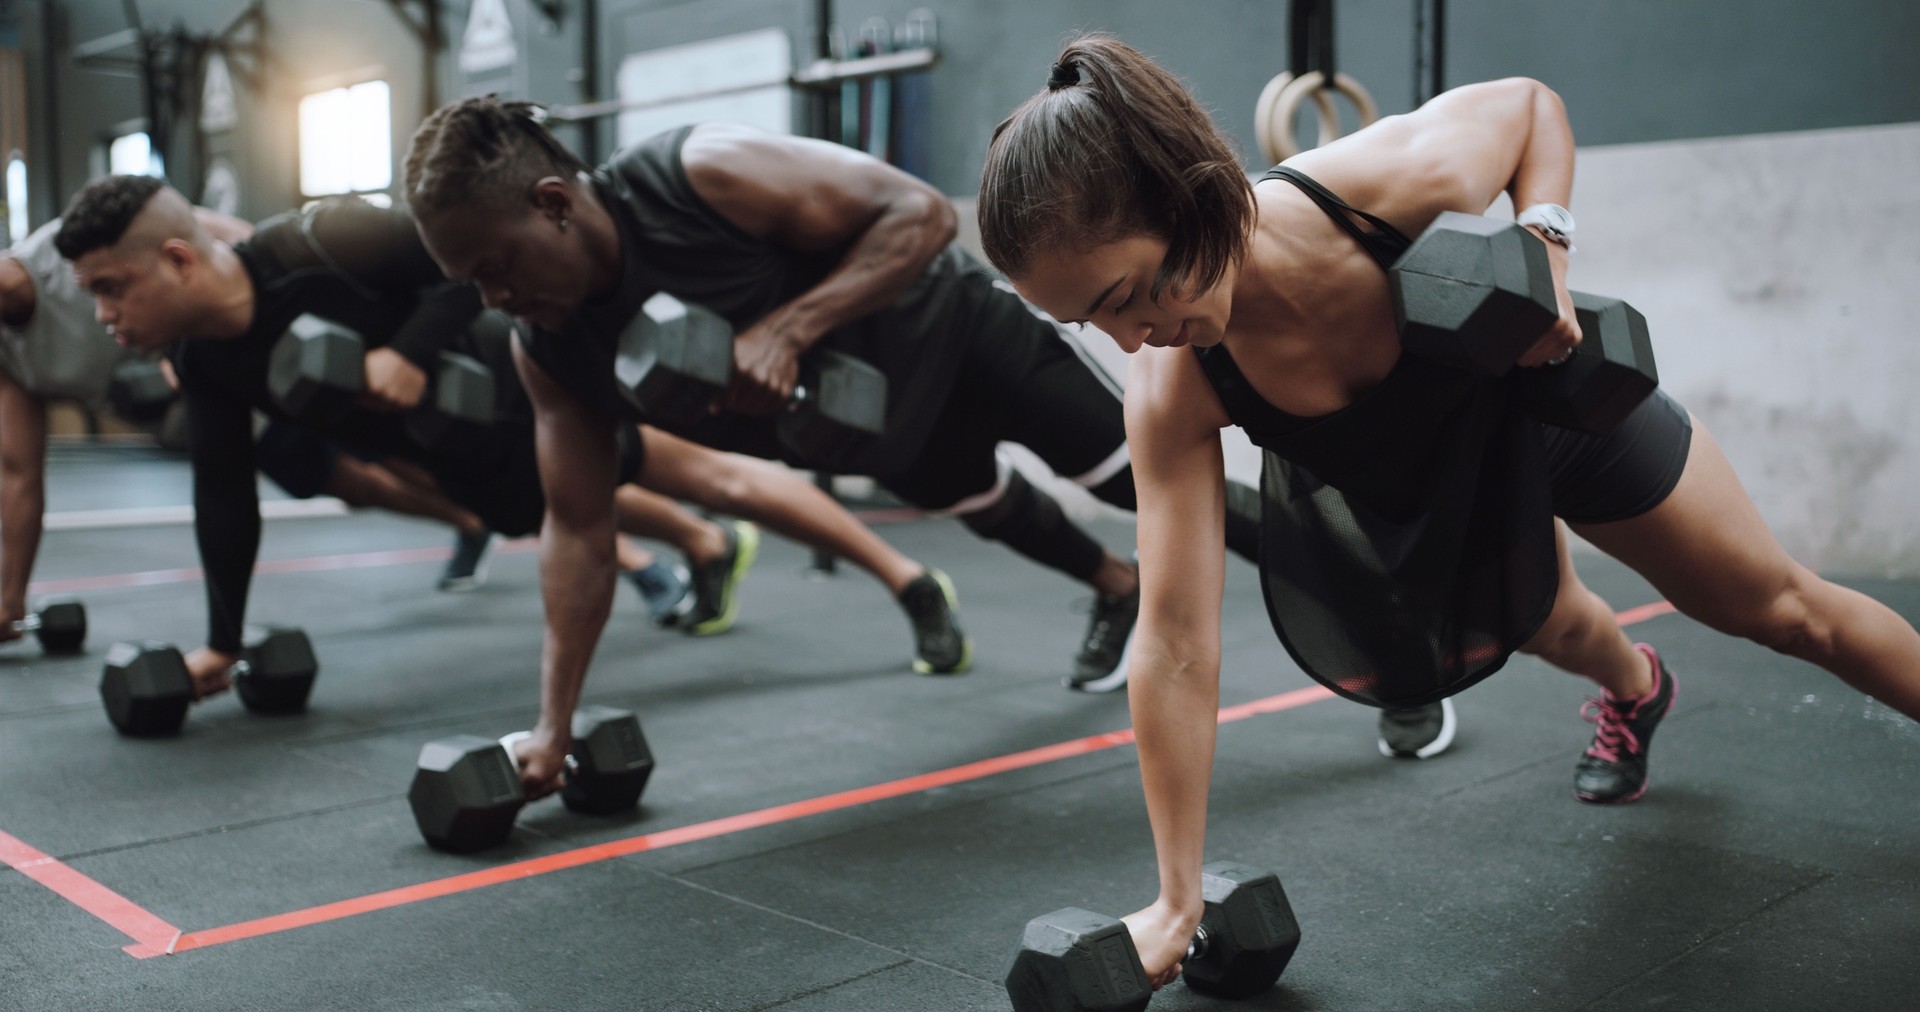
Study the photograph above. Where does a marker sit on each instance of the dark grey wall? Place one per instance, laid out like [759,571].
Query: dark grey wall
[1630,70]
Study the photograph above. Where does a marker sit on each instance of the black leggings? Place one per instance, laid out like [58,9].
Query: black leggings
[1021,381]
[504,492]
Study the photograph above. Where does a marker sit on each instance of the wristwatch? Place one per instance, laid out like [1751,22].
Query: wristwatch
[1554,222]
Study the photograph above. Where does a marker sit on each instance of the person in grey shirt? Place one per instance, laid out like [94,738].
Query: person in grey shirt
[51,348]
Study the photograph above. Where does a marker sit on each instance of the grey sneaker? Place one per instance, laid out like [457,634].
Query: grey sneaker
[1420,732]
[1098,668]
[467,568]
[940,646]
[665,589]
[715,601]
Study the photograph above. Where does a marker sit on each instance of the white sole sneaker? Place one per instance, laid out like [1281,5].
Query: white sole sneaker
[1448,726]
[1111,681]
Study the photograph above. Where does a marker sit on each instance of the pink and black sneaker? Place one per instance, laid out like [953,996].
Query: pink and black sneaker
[1614,769]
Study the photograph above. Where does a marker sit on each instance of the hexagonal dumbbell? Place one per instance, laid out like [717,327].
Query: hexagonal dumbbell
[674,360]
[1247,934]
[1607,376]
[146,687]
[466,790]
[317,374]
[317,370]
[1473,293]
[839,406]
[465,793]
[276,670]
[60,624]
[611,762]
[139,392]
[458,405]
[1074,960]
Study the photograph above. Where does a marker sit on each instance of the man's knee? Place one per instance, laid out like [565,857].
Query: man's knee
[1031,522]
[1020,511]
[1118,490]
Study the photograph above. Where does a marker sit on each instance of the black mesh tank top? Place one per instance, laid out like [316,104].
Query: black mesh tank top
[1407,539]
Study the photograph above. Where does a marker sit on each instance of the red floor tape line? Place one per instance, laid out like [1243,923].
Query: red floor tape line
[122,914]
[698,831]
[155,937]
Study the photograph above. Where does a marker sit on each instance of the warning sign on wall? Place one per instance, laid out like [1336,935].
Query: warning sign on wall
[487,44]
[217,109]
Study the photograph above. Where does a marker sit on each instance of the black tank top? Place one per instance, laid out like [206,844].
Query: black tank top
[1407,539]
[672,241]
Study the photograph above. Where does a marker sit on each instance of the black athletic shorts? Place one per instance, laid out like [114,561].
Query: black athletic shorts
[1020,381]
[509,499]
[296,458]
[1619,476]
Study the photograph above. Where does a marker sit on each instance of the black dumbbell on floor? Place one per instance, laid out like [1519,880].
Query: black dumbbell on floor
[466,789]
[317,373]
[139,392]
[675,360]
[1476,293]
[60,625]
[146,687]
[1074,960]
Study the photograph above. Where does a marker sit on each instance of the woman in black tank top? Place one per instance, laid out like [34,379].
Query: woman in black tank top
[1410,543]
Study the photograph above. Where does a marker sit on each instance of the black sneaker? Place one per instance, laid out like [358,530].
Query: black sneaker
[665,590]
[715,603]
[1419,732]
[1614,769]
[467,568]
[1101,665]
[940,646]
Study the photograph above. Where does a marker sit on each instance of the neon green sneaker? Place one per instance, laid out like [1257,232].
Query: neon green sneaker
[715,601]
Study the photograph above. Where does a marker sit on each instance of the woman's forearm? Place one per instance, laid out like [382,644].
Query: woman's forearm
[1174,695]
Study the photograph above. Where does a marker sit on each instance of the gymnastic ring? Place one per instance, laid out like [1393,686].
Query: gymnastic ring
[1287,106]
[1274,137]
[1262,113]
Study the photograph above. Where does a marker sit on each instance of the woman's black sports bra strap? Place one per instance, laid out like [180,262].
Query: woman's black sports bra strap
[1385,244]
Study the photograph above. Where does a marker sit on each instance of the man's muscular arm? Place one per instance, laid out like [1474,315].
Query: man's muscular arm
[577,464]
[814,197]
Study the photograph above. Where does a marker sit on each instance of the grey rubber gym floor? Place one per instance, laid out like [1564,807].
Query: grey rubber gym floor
[1773,864]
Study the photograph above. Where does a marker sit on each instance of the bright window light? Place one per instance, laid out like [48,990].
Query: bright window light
[16,200]
[346,140]
[133,155]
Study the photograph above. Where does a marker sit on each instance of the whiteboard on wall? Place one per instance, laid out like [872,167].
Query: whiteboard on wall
[734,79]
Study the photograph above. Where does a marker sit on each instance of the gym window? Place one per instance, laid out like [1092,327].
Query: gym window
[16,199]
[133,155]
[346,140]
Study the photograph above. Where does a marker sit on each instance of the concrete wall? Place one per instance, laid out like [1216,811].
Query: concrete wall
[1778,276]
[1629,70]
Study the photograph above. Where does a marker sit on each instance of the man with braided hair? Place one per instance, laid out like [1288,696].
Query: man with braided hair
[797,243]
